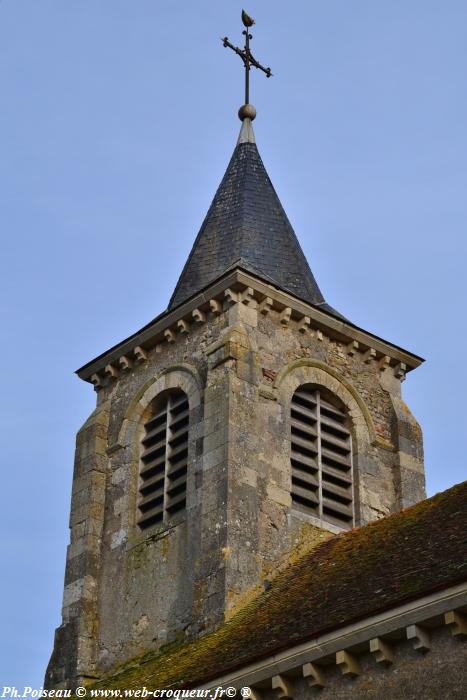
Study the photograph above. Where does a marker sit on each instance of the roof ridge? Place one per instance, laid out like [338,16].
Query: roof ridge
[242,195]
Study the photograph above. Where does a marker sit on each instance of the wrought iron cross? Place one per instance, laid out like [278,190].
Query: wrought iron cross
[246,55]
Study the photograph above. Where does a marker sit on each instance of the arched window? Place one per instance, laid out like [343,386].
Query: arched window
[164,460]
[321,456]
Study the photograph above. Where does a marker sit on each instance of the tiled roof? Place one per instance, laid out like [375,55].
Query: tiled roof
[349,577]
[246,226]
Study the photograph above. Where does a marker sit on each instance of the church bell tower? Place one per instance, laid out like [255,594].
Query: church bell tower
[247,419]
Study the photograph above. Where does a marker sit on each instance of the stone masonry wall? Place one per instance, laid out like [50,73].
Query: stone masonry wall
[129,591]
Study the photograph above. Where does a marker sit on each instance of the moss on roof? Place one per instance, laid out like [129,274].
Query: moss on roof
[350,576]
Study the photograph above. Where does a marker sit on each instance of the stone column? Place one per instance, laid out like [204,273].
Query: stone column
[73,658]
[209,587]
[410,481]
[408,438]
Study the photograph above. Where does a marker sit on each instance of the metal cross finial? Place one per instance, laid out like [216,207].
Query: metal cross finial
[246,55]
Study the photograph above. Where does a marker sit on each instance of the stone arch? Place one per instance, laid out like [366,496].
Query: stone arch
[181,376]
[307,371]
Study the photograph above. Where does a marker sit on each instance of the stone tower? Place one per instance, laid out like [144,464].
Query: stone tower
[247,418]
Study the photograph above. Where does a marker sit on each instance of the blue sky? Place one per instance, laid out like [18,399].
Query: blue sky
[117,120]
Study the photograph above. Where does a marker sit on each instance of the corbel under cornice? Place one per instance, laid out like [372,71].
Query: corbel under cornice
[241,287]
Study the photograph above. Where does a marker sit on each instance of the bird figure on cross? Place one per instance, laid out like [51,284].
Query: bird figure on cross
[246,55]
[247,20]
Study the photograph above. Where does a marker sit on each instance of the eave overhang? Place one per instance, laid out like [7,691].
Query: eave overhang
[232,287]
[397,624]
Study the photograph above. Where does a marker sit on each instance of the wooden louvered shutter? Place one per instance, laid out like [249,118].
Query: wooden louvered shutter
[321,458]
[164,461]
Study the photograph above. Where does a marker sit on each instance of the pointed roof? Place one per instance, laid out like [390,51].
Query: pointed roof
[247,227]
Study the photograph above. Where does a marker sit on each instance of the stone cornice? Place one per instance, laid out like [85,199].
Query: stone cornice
[239,286]
[412,621]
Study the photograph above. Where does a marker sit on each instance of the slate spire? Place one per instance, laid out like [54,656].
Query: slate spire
[246,227]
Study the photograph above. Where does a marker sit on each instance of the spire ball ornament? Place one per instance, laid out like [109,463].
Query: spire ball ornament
[247,112]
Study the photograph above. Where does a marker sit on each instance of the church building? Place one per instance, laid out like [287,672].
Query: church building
[248,506]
